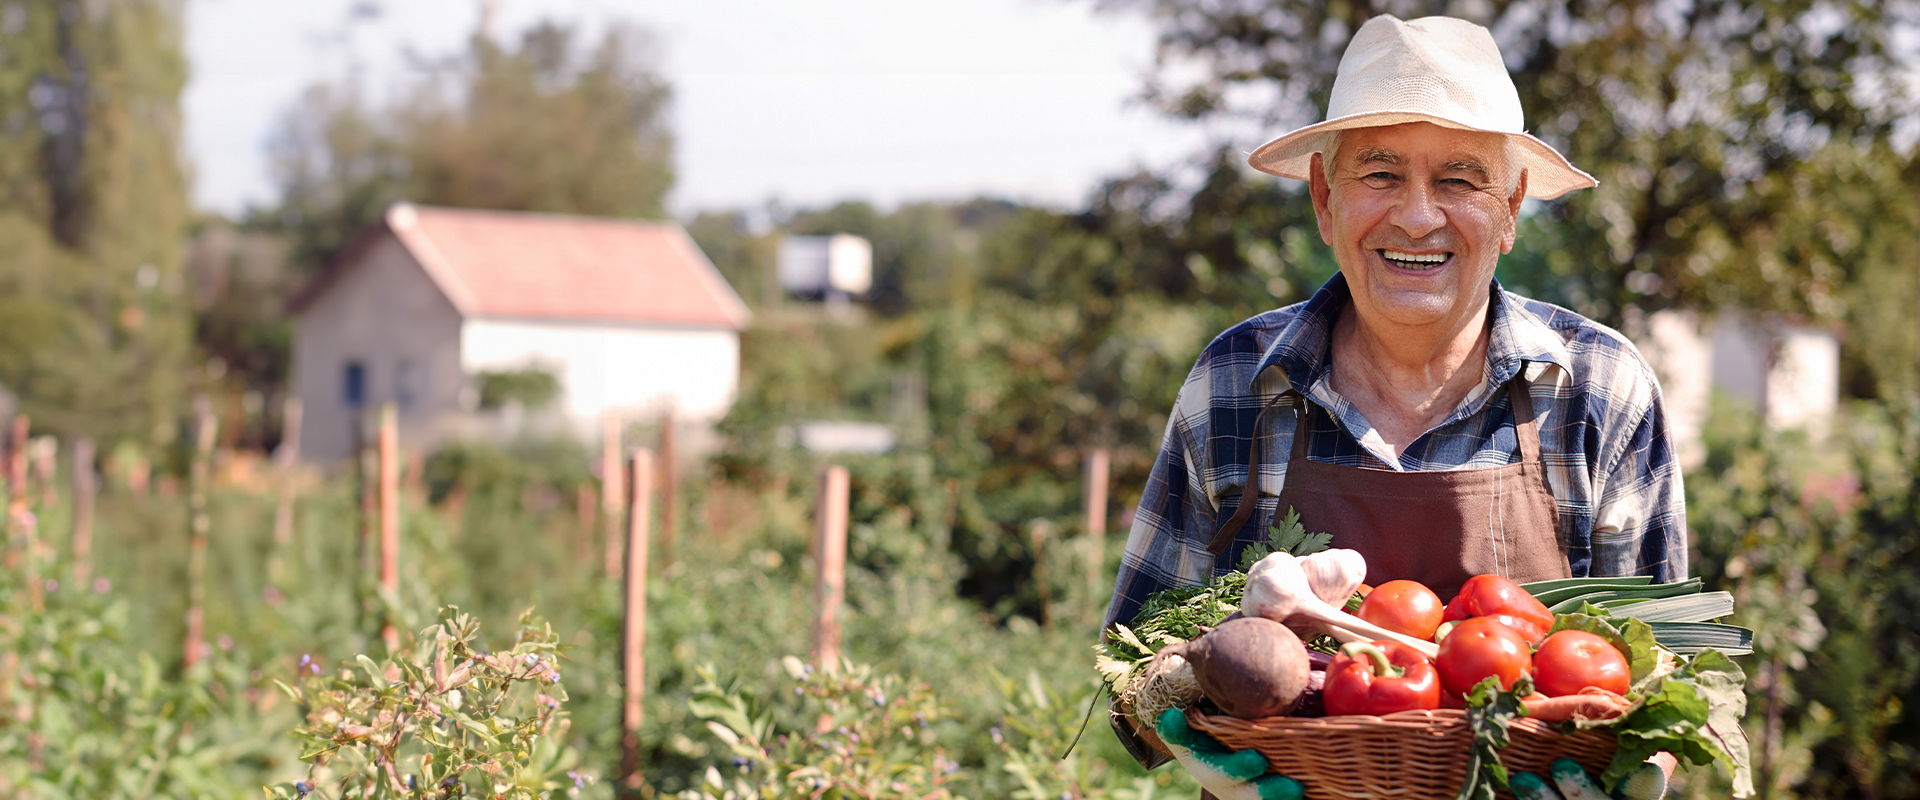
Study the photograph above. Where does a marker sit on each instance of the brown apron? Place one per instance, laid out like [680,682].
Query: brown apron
[1439,528]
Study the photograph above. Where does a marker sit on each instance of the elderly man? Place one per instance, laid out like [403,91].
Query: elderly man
[1425,417]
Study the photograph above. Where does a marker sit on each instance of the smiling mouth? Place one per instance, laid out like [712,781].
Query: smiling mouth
[1414,261]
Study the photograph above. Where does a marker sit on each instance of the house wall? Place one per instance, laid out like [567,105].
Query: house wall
[1803,388]
[385,314]
[1789,373]
[634,369]
[1683,360]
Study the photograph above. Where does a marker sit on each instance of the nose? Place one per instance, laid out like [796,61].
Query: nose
[1419,212]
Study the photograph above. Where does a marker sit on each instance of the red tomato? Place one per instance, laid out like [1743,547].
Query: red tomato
[1504,600]
[1403,607]
[1480,647]
[1570,661]
[1357,683]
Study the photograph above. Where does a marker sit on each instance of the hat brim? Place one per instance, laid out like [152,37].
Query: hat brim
[1549,174]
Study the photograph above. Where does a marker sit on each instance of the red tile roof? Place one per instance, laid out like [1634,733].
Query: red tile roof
[552,266]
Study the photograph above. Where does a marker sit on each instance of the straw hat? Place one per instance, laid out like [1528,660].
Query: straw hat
[1434,69]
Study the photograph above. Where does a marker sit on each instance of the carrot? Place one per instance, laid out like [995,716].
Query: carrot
[1590,704]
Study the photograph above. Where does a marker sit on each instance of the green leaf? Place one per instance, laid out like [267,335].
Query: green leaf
[1722,684]
[1285,536]
[1540,588]
[374,676]
[1489,713]
[1650,591]
[1642,658]
[1693,712]
[291,693]
[1703,607]
[1688,638]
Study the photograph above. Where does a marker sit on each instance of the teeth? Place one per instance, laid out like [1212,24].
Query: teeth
[1413,258]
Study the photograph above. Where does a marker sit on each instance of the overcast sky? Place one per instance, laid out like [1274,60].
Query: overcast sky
[809,101]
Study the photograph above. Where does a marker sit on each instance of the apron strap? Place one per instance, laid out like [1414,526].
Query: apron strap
[1526,427]
[1250,493]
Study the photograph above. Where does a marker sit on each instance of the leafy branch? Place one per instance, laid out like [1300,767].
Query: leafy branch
[451,719]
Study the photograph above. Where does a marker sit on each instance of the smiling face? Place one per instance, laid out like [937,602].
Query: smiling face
[1418,216]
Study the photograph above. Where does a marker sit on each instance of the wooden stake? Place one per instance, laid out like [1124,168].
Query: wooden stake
[1097,466]
[633,642]
[84,487]
[364,478]
[612,493]
[1037,539]
[46,461]
[206,432]
[830,558]
[286,458]
[389,517]
[669,491]
[21,524]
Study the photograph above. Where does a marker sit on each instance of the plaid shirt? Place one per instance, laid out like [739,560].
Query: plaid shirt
[1609,456]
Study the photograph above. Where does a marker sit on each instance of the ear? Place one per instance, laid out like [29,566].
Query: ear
[1320,190]
[1513,213]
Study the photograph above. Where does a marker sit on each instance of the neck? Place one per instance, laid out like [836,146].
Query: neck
[1406,379]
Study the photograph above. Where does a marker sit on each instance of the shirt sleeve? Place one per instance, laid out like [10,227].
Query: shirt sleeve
[1640,522]
[1167,544]
[1159,552]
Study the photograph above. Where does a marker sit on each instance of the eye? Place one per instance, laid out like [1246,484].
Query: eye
[1379,179]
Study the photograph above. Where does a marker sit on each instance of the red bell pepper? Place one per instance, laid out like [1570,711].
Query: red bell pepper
[1502,599]
[1380,678]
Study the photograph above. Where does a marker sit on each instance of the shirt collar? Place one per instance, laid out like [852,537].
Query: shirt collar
[1304,347]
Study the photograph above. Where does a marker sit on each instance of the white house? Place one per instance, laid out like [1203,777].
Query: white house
[629,316]
[1789,373]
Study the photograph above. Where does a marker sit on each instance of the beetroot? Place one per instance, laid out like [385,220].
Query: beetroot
[1250,667]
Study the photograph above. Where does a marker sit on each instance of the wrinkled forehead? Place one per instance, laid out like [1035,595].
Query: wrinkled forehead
[1424,145]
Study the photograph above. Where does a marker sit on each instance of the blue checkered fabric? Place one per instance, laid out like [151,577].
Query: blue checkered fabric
[1609,456]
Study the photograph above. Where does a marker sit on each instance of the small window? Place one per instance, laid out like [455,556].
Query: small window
[409,382]
[354,384]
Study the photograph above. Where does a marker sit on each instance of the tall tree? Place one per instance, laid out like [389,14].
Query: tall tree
[93,202]
[550,126]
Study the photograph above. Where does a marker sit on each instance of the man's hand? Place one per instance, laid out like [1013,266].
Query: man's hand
[1228,775]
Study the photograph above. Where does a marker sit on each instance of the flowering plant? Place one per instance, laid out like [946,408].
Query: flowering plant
[449,719]
[850,732]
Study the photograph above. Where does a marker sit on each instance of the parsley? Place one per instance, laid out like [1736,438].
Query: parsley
[1288,536]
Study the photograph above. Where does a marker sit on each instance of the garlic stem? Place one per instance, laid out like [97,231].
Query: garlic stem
[1278,588]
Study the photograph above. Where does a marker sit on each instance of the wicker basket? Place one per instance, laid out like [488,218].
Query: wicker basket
[1414,755]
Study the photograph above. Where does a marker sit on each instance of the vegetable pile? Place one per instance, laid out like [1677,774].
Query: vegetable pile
[1642,661]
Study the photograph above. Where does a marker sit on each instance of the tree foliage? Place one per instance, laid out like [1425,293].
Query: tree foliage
[1736,143]
[93,209]
[548,126]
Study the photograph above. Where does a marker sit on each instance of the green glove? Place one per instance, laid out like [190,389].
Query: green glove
[1229,775]
[1645,782]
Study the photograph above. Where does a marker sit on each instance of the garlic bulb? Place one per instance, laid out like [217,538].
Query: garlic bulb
[1335,574]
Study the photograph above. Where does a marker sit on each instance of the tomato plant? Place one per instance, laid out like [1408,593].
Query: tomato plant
[1502,599]
[1380,678]
[1571,660]
[1407,607]
[1480,647]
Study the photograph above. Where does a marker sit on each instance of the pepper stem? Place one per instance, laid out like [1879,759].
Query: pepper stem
[1382,668]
